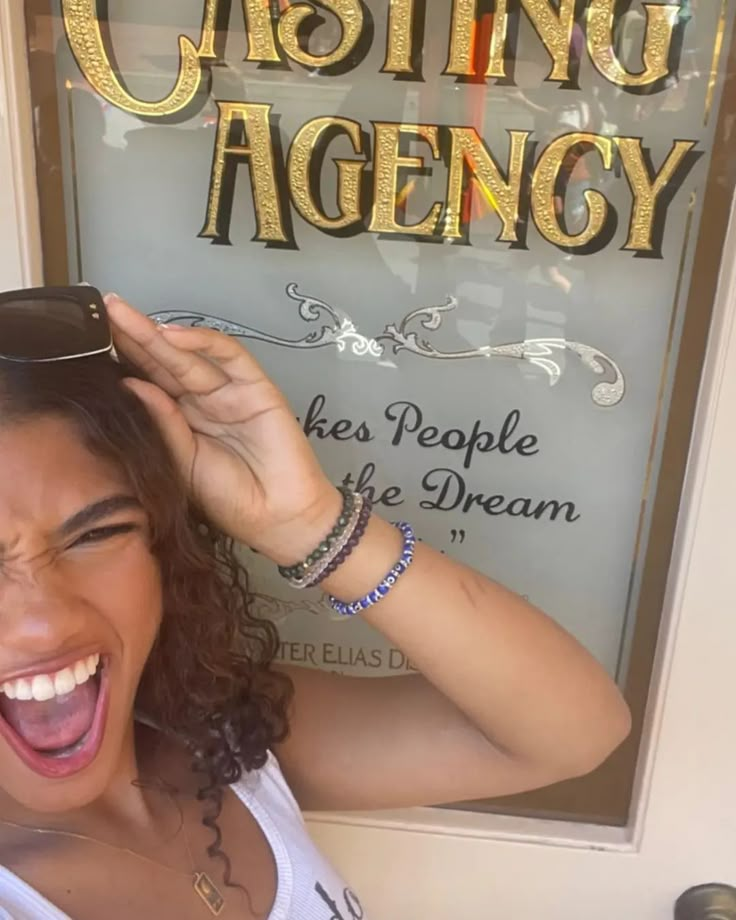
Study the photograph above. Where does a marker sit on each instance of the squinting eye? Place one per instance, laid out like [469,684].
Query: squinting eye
[98,534]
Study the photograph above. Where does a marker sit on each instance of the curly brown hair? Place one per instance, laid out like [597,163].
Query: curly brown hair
[208,679]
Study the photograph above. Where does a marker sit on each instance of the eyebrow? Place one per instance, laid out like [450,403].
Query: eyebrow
[97,511]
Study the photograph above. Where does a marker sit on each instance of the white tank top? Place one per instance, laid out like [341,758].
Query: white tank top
[308,888]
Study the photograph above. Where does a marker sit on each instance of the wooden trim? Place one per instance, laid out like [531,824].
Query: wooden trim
[47,142]
[20,254]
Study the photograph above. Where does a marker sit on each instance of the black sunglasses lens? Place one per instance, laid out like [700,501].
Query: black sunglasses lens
[50,328]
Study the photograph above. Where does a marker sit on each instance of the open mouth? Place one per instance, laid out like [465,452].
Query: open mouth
[55,722]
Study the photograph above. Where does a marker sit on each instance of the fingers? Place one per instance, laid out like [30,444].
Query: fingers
[170,420]
[178,371]
[144,362]
[221,349]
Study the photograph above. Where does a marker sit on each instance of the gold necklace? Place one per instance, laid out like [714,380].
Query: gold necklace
[202,884]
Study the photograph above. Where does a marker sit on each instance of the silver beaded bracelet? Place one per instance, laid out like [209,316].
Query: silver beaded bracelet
[314,573]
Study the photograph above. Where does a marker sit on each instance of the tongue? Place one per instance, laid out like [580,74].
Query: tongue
[56,723]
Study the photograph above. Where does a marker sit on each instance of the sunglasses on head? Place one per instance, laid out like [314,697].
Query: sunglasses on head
[53,324]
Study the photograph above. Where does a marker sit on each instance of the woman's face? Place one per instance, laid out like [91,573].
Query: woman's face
[80,605]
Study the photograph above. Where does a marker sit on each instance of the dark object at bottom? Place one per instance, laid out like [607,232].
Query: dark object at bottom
[707,902]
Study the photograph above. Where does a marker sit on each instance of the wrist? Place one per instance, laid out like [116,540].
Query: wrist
[291,543]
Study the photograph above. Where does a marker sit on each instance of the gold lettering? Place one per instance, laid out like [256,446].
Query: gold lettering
[462,27]
[399,35]
[88,46]
[387,163]
[349,174]
[350,14]
[555,30]
[497,55]
[646,188]
[210,26]
[258,27]
[545,195]
[249,121]
[469,154]
[554,27]
[660,25]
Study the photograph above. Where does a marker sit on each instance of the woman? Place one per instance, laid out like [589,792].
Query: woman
[119,594]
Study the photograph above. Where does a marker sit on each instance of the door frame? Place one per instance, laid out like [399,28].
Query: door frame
[680,833]
[20,253]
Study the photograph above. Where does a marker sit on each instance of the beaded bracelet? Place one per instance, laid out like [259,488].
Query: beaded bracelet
[298,571]
[349,544]
[384,586]
[340,550]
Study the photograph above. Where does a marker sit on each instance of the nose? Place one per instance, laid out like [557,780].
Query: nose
[41,615]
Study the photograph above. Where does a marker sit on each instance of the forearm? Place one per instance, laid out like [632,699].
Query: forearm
[527,685]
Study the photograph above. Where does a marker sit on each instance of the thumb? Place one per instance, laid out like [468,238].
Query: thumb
[169,419]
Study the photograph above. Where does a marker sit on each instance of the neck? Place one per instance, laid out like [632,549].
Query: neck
[137,803]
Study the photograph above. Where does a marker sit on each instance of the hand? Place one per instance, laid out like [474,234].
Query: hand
[235,441]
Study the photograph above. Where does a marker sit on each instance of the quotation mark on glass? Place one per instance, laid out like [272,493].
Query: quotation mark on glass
[457,536]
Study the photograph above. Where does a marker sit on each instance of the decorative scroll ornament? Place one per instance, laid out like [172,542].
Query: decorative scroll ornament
[338,330]
[277,609]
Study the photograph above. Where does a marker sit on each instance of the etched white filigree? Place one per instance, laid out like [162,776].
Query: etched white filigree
[276,609]
[337,329]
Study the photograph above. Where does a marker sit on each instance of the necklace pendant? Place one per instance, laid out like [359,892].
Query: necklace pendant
[209,893]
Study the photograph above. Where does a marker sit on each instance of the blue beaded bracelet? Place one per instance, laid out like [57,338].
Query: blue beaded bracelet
[382,589]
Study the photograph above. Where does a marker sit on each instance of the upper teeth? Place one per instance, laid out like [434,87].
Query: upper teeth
[46,686]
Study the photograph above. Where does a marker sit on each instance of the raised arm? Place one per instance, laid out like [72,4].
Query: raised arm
[504,699]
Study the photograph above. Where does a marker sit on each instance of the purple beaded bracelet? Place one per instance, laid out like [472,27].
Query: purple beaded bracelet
[382,589]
